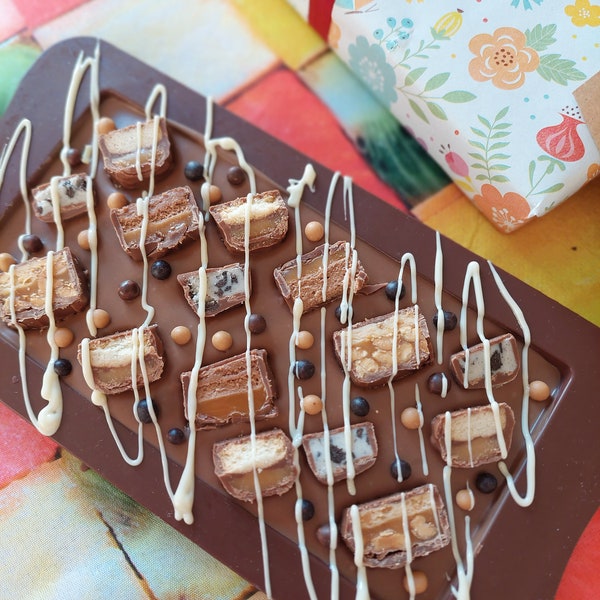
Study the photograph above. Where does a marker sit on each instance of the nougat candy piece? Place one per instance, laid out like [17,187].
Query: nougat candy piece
[109,359]
[268,221]
[224,288]
[70,292]
[127,153]
[222,391]
[173,220]
[310,285]
[385,538]
[371,345]
[473,434]
[273,459]
[363,451]
[504,363]
[71,192]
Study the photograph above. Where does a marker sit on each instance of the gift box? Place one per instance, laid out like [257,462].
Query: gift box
[490,90]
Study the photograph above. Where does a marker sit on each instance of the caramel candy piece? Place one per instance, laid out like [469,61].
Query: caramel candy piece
[69,291]
[172,221]
[504,363]
[72,196]
[385,538]
[224,288]
[222,391]
[372,342]
[310,285]
[127,153]
[273,459]
[363,451]
[268,221]
[110,359]
[474,434]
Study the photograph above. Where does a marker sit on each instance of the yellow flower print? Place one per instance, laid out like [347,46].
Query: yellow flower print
[502,58]
[583,13]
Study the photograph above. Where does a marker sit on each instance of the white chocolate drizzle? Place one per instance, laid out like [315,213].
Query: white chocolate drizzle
[362,585]
[439,286]
[419,406]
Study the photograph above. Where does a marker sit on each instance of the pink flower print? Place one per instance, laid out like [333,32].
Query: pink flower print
[455,161]
[562,141]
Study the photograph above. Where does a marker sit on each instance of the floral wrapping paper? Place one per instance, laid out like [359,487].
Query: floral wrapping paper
[487,89]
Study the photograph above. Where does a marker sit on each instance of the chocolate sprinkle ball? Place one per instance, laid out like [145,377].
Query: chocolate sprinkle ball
[32,243]
[129,290]
[405,469]
[450,320]
[176,436]
[256,323]
[143,412]
[236,175]
[486,483]
[194,170]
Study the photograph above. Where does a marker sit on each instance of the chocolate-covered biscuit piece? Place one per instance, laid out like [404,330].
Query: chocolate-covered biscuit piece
[309,287]
[504,363]
[173,220]
[271,454]
[109,359]
[128,151]
[268,216]
[474,437]
[371,347]
[363,451]
[382,524]
[70,292]
[222,391]
[71,193]
[224,288]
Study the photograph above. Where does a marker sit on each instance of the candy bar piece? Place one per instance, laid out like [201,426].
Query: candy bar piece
[70,292]
[172,221]
[504,363]
[371,344]
[224,288]
[222,391]
[272,455]
[473,434]
[71,192]
[310,285]
[109,359]
[268,221]
[363,451]
[127,152]
[382,524]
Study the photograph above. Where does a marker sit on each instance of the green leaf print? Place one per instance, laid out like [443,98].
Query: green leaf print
[459,97]
[414,75]
[436,82]
[541,37]
[560,70]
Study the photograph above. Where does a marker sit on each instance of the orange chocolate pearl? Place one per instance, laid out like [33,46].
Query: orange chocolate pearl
[83,239]
[181,335]
[420,582]
[63,337]
[305,340]
[101,318]
[411,418]
[214,192]
[465,499]
[105,124]
[539,391]
[222,340]
[314,231]
[312,404]
[116,200]
[6,260]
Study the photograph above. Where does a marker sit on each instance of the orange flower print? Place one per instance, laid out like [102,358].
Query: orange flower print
[583,13]
[507,212]
[593,171]
[502,58]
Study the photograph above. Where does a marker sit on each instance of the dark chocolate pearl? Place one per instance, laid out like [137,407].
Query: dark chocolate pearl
[450,320]
[236,175]
[256,323]
[129,290]
[392,287]
[338,313]
[308,510]
[486,483]
[73,157]
[160,269]
[435,383]
[194,170]
[143,412]
[405,469]
[32,243]
[176,436]
[304,369]
[62,367]
[360,406]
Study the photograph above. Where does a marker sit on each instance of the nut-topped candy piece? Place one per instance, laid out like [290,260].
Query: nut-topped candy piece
[70,192]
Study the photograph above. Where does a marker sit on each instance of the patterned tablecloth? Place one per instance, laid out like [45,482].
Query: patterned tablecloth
[64,532]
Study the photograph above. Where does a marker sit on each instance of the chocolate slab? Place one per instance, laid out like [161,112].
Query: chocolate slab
[520,552]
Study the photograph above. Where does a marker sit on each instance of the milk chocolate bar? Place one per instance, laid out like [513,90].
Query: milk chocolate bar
[504,363]
[127,153]
[224,288]
[384,537]
[172,221]
[71,193]
[268,215]
[473,434]
[70,293]
[110,359]
[371,344]
[309,287]
[271,454]
[222,391]
[363,451]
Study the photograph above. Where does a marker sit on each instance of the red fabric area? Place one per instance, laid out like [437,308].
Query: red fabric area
[319,16]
